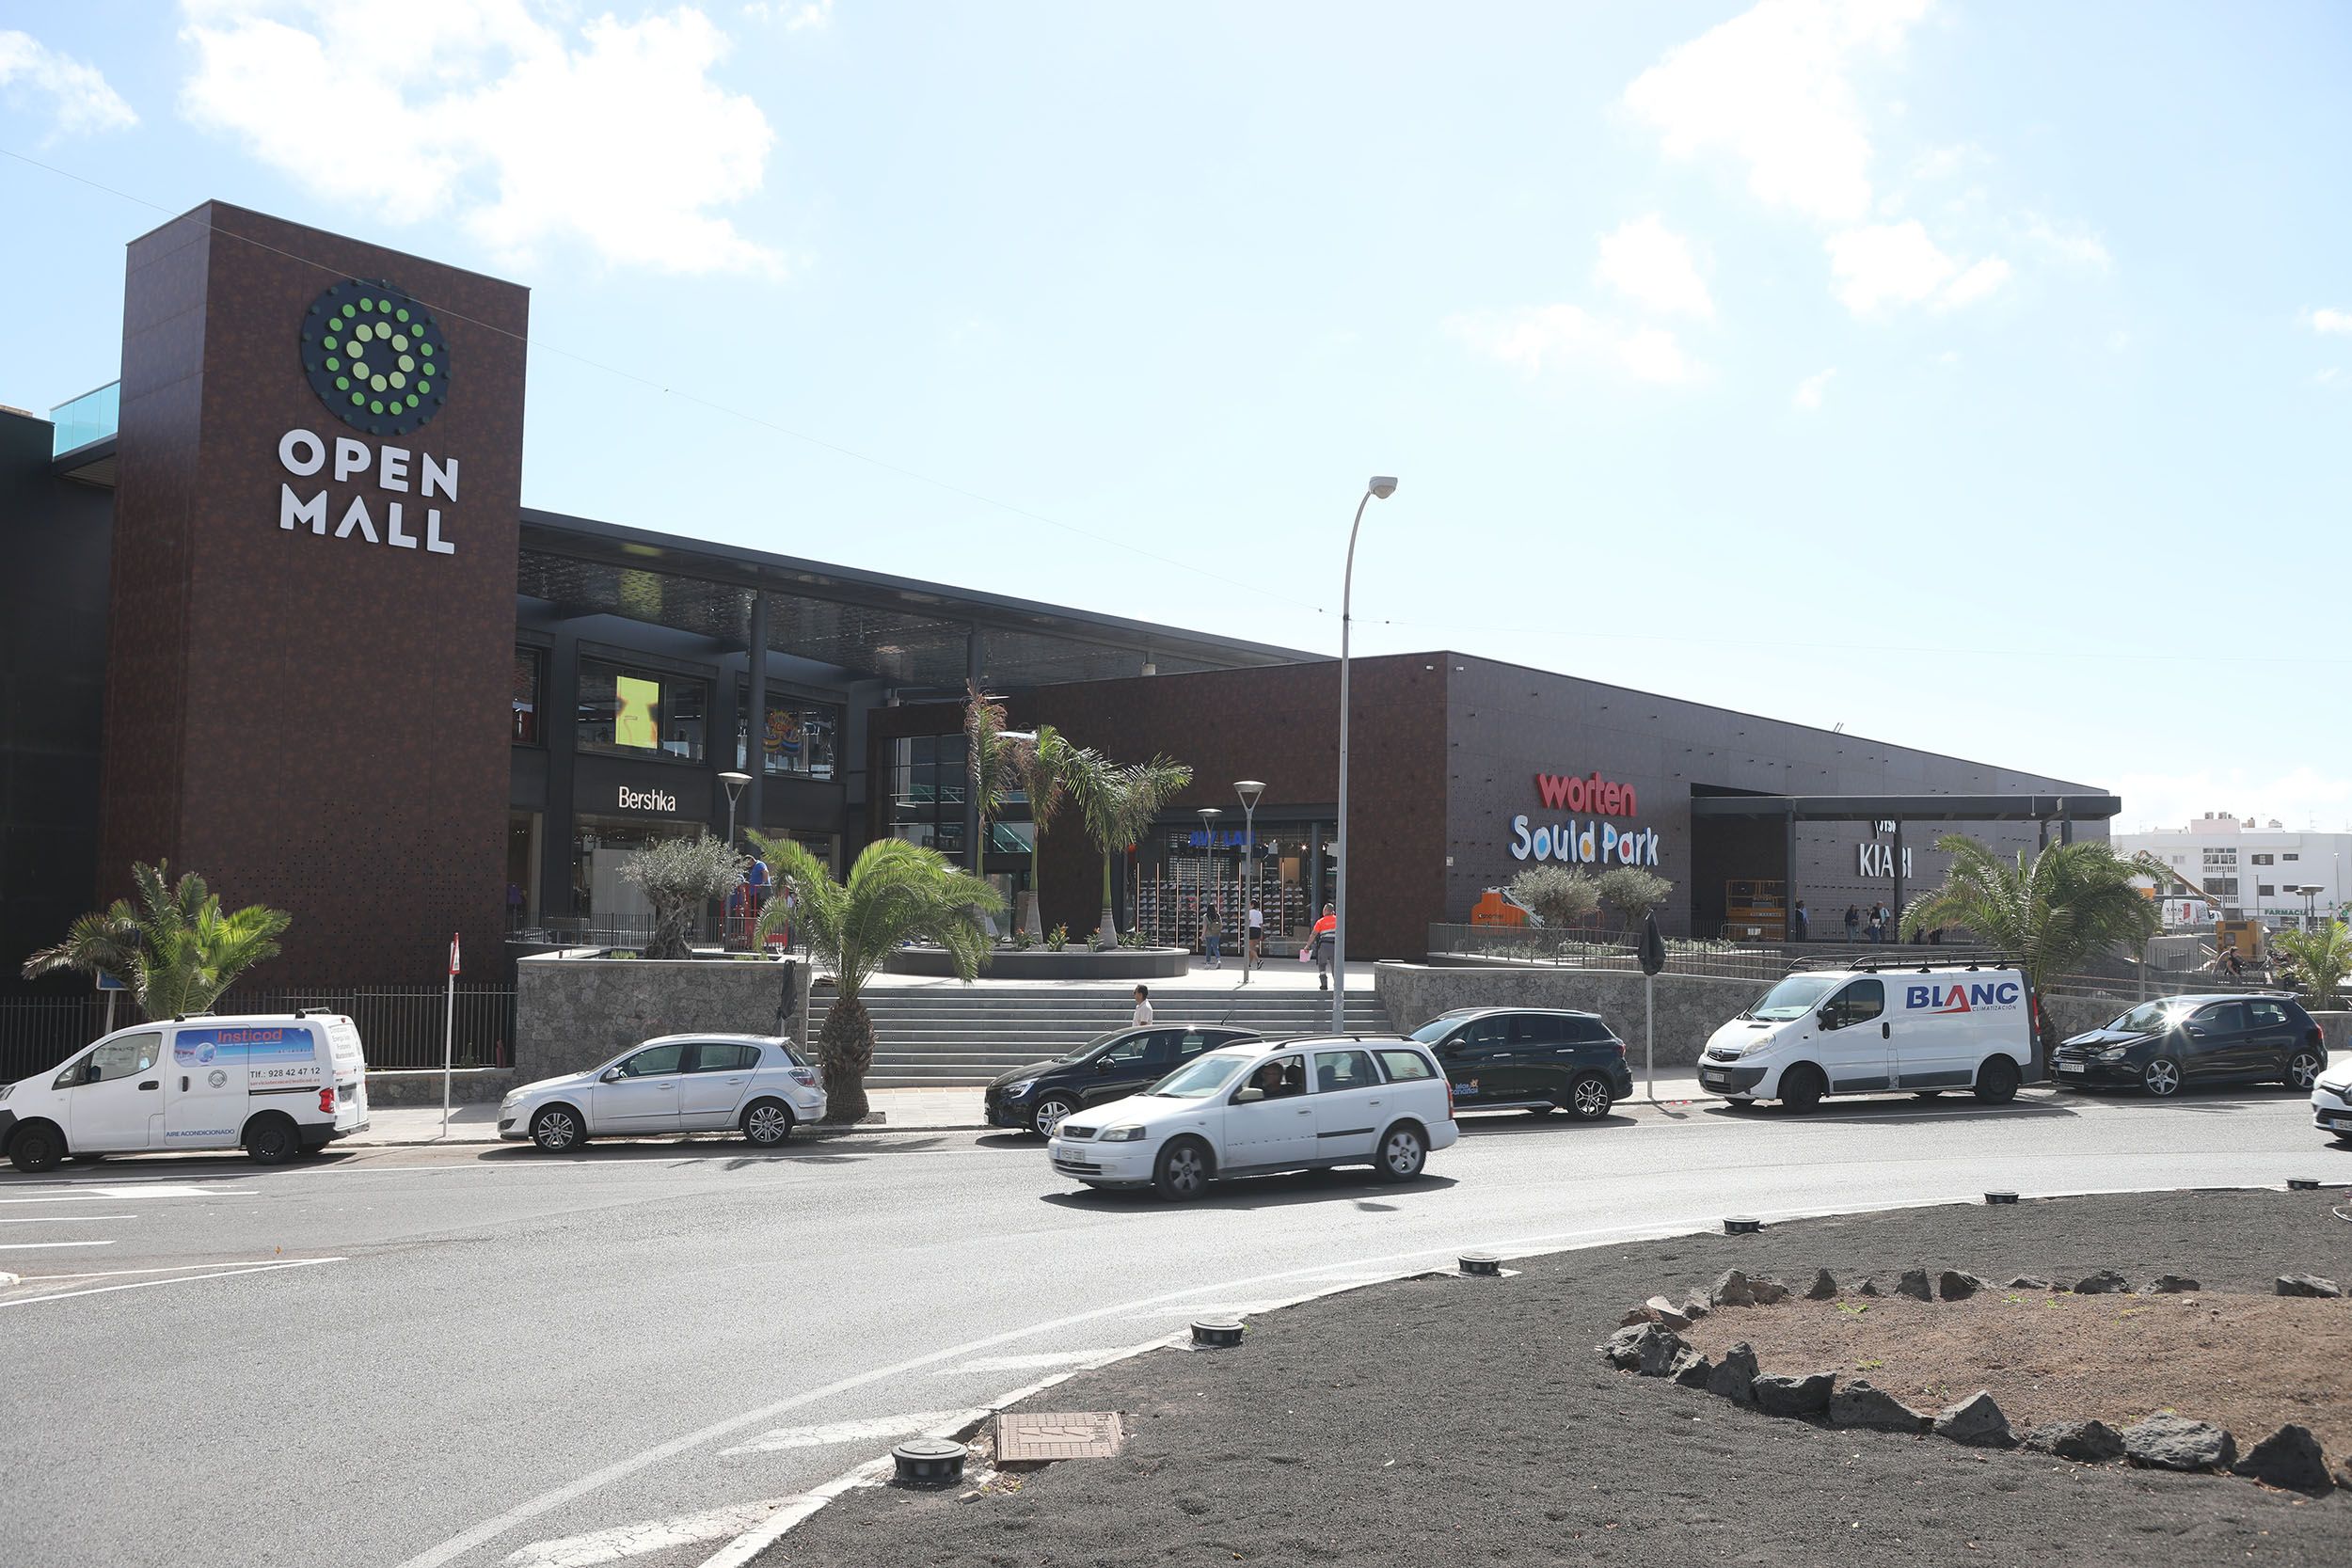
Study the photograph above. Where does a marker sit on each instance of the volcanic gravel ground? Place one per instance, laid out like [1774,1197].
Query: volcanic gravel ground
[1441,1421]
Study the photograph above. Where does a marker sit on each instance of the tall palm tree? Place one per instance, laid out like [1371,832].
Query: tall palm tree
[1040,764]
[2322,959]
[989,758]
[2049,912]
[1116,804]
[896,891]
[176,949]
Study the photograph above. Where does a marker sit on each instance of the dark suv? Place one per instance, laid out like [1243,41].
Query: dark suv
[2161,1045]
[1537,1060]
[1110,1067]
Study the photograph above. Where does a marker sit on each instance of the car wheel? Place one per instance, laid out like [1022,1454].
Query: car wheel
[272,1140]
[1590,1099]
[1802,1087]
[1051,1113]
[1182,1173]
[37,1146]
[556,1130]
[1997,1081]
[2161,1077]
[1404,1150]
[767,1123]
[2303,1070]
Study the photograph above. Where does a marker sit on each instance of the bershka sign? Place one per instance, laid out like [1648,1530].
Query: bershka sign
[394,470]
[645,799]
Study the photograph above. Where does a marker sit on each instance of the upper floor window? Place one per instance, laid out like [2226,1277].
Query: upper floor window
[801,737]
[640,712]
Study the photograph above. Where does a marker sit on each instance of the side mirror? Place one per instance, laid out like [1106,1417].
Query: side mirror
[1249,1094]
[1827,1018]
[89,1072]
[1102,1064]
[613,1075]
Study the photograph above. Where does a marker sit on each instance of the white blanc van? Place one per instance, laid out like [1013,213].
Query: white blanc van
[1925,1027]
[276,1087]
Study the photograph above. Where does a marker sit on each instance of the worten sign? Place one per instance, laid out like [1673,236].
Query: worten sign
[1589,841]
[378,362]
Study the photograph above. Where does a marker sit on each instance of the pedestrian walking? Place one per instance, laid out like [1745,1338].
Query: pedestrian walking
[1253,940]
[1143,1005]
[1853,923]
[1326,936]
[1212,929]
[1803,923]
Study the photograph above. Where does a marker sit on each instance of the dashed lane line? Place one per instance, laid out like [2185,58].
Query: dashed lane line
[177,1280]
[63,1219]
[782,1438]
[650,1535]
[42,1246]
[1026,1363]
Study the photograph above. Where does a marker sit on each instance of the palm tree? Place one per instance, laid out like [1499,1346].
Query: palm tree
[1116,804]
[896,891]
[2322,959]
[989,758]
[2049,912]
[175,950]
[1040,763]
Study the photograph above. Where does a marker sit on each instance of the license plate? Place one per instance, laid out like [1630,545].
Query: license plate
[2073,1067]
[2325,1119]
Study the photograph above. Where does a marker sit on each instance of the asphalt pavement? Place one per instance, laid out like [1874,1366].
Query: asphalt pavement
[417,1357]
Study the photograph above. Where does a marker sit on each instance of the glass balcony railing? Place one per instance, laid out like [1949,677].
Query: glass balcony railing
[91,417]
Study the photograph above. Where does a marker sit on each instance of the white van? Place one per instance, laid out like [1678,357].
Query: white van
[275,1086]
[1925,1027]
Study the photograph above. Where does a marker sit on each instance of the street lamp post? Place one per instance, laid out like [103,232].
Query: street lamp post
[1382,486]
[735,782]
[1248,789]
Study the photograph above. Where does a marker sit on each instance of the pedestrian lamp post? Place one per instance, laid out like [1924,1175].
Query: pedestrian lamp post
[735,782]
[1382,486]
[1248,789]
[2310,891]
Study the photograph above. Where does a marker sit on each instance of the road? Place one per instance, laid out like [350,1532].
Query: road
[417,1358]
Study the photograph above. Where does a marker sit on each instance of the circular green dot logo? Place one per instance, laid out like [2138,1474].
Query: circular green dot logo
[375,357]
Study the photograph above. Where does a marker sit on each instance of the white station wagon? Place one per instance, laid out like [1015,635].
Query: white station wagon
[756,1084]
[1267,1105]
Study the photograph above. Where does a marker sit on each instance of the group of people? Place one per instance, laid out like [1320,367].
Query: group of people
[1880,925]
[1320,942]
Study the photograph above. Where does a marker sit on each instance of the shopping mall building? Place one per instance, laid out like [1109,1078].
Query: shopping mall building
[273,610]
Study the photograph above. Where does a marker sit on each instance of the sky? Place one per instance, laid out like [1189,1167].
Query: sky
[1976,376]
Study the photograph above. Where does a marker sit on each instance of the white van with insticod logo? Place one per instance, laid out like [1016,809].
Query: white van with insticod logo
[276,1087]
[1916,1026]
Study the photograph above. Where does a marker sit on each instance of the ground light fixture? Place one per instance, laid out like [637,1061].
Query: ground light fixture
[1743,1225]
[1217,1333]
[929,1461]
[1382,485]
[2000,1196]
[1484,1263]
[1248,790]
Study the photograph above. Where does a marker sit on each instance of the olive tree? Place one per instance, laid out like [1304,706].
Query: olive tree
[680,876]
[1561,895]
[1631,892]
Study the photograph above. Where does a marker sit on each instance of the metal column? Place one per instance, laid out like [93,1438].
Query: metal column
[973,852]
[1788,880]
[755,721]
[1898,876]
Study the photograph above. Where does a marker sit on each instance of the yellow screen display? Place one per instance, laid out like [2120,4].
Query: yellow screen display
[633,724]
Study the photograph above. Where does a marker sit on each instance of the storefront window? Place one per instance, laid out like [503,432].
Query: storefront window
[614,909]
[801,735]
[530,685]
[927,790]
[638,712]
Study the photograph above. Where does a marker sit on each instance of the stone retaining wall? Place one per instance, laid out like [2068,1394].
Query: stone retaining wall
[572,1013]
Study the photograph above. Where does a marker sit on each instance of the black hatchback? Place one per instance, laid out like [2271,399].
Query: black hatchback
[1109,1067]
[2162,1045]
[1539,1059]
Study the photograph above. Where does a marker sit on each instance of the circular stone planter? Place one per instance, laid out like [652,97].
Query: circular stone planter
[1072,962]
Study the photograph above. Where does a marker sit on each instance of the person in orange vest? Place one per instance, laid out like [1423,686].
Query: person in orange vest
[1326,934]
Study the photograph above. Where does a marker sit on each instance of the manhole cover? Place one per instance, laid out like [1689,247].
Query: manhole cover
[1088,1435]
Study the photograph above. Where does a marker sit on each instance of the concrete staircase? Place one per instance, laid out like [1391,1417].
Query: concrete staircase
[950,1036]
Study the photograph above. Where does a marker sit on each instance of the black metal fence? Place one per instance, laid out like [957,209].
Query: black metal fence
[400,1026]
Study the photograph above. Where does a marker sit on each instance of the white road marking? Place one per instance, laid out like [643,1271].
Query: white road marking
[177,1268]
[64,1219]
[1028,1363]
[39,1246]
[650,1535]
[839,1432]
[182,1279]
[84,1193]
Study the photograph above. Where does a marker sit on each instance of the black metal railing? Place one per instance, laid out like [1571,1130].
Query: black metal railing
[400,1026]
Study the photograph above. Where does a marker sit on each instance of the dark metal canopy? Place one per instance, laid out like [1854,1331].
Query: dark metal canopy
[1912,808]
[869,624]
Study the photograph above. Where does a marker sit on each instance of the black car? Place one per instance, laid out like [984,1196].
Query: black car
[1110,1067]
[1539,1059]
[2161,1045]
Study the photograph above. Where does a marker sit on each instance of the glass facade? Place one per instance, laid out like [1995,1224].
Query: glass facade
[92,416]
[614,909]
[633,712]
[530,696]
[802,738]
[928,786]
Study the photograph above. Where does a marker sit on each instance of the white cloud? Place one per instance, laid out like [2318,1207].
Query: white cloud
[81,101]
[1540,337]
[1809,390]
[2330,321]
[2327,377]
[1888,263]
[1649,263]
[2076,247]
[1974,284]
[796,15]
[530,129]
[1771,87]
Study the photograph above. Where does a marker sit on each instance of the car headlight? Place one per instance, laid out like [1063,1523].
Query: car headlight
[7,1090]
[2342,1090]
[2115,1052]
[1120,1136]
[1014,1091]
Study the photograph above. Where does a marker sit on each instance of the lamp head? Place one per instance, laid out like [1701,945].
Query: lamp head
[1211,810]
[1249,789]
[734,782]
[1383,486]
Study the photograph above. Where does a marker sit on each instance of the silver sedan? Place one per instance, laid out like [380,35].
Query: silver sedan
[756,1084]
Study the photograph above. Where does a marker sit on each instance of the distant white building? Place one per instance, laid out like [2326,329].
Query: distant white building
[2246,865]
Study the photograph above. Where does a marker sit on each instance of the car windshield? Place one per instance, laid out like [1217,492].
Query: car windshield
[1201,1077]
[2149,1018]
[1792,998]
[1092,1047]
[1437,1028]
